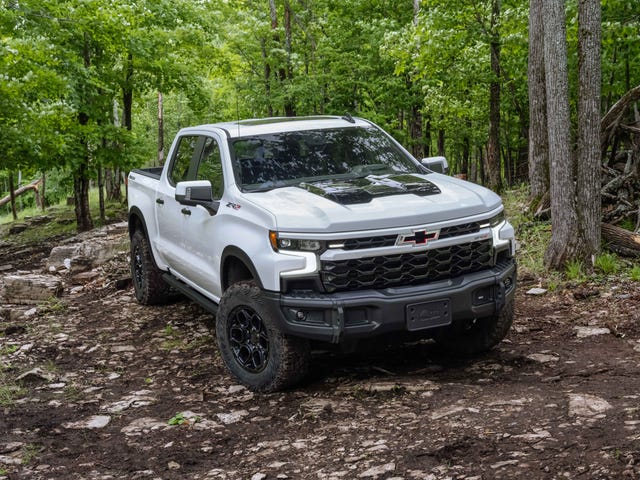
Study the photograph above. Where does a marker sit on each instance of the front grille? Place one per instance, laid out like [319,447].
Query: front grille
[457,230]
[406,269]
[371,242]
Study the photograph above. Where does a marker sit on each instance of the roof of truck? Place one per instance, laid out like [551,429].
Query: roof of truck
[261,126]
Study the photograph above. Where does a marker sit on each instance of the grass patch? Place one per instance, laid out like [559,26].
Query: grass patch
[63,220]
[607,264]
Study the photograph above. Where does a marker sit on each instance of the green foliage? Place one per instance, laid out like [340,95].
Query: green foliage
[575,271]
[634,273]
[607,263]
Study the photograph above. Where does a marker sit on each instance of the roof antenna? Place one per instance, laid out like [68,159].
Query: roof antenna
[347,116]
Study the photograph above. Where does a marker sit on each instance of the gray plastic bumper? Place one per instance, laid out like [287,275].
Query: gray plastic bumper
[358,314]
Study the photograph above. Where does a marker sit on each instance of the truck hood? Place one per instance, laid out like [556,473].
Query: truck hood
[374,202]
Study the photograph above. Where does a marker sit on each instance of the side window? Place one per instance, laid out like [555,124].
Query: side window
[182,160]
[210,166]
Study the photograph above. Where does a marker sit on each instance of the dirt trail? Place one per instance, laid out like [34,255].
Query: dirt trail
[121,391]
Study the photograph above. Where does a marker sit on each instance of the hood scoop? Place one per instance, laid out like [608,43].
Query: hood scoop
[364,189]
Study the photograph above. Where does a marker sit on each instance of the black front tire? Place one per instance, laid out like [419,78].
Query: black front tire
[254,350]
[478,336]
[148,285]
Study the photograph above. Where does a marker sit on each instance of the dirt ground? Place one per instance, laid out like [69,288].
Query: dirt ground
[98,387]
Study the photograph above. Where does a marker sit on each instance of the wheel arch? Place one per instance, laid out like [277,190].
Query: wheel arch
[237,266]
[137,222]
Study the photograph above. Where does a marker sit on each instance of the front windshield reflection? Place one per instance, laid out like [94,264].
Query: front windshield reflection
[270,161]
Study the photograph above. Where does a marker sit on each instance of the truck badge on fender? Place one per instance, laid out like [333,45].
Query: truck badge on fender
[235,206]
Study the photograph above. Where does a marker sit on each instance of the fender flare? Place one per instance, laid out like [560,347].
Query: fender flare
[235,252]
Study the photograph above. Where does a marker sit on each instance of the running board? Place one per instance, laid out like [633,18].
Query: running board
[185,289]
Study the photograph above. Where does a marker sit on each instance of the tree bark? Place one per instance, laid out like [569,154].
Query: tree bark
[589,157]
[620,240]
[80,178]
[16,193]
[101,193]
[12,197]
[492,167]
[564,237]
[160,130]
[538,137]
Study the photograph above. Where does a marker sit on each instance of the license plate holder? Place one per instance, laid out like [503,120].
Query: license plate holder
[420,316]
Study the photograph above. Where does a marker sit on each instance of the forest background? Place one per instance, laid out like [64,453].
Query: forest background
[92,88]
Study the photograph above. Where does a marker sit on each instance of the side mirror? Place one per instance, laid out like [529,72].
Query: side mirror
[197,192]
[436,164]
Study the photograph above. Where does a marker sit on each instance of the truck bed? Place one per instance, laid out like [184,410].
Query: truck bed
[153,172]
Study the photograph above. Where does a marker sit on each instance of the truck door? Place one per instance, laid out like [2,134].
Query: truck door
[170,214]
[201,235]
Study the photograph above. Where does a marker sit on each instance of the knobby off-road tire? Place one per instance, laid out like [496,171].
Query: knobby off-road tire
[148,285]
[478,337]
[253,349]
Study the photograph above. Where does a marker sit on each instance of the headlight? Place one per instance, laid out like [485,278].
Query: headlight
[304,245]
[493,221]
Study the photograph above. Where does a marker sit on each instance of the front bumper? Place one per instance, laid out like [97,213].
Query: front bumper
[366,313]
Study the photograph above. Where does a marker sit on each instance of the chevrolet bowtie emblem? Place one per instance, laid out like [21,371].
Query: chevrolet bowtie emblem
[419,237]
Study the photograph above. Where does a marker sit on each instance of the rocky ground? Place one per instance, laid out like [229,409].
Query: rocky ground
[94,386]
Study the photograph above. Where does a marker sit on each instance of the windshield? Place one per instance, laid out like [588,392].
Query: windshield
[264,162]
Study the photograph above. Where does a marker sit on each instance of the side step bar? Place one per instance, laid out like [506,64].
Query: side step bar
[185,289]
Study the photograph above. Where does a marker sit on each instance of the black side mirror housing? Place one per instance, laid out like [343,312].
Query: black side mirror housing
[197,192]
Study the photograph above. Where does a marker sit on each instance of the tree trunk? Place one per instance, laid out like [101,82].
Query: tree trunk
[81,194]
[14,194]
[441,137]
[492,168]
[160,130]
[12,197]
[620,240]
[127,95]
[564,223]
[415,131]
[290,103]
[589,157]
[80,178]
[538,136]
[101,193]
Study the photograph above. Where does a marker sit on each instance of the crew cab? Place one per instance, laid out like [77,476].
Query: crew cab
[294,231]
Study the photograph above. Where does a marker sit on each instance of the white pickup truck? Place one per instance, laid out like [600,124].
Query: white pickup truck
[318,229]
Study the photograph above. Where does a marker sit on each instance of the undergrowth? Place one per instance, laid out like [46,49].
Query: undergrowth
[533,236]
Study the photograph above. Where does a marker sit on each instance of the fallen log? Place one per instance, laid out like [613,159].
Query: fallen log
[621,241]
[32,186]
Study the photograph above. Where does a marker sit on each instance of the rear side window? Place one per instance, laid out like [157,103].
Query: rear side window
[182,159]
[210,166]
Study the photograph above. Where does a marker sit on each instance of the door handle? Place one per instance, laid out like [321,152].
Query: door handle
[186,211]
[159,201]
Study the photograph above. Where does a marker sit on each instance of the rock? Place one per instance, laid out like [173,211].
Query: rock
[93,422]
[30,289]
[583,405]
[143,425]
[6,268]
[123,348]
[258,476]
[584,332]
[543,358]
[80,264]
[35,375]
[377,471]
[84,277]
[173,465]
[536,291]
[17,228]
[233,417]
[89,253]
